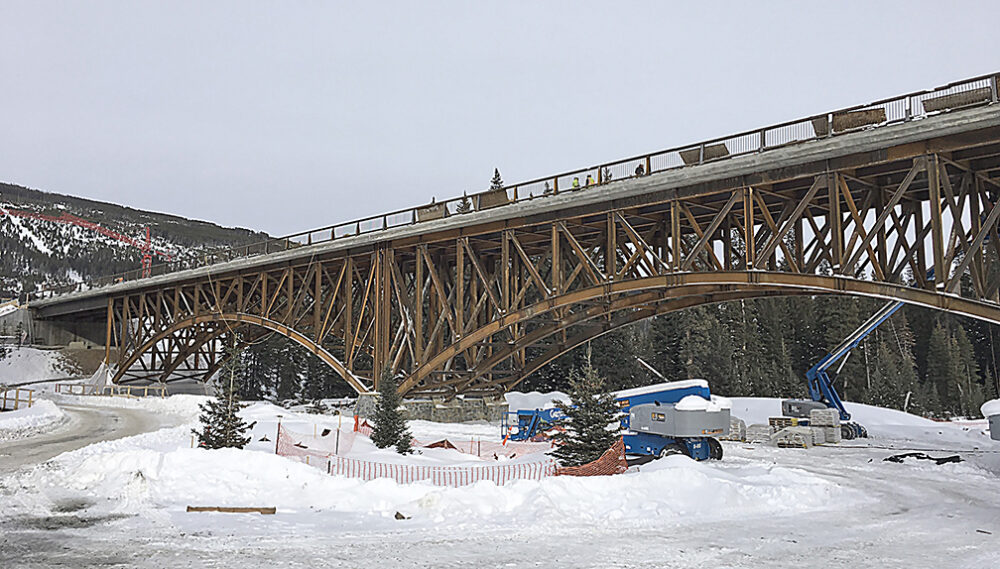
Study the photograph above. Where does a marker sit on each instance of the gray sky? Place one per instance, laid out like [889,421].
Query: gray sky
[284,116]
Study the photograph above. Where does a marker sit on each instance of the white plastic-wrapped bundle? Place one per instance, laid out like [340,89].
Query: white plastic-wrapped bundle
[737,430]
[794,437]
[824,418]
[758,433]
[819,435]
[832,435]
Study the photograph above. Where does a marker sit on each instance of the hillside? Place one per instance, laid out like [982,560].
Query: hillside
[38,253]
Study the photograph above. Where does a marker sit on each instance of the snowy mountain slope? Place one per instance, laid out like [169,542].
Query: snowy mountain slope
[44,253]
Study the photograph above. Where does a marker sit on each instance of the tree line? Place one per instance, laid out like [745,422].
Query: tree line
[920,360]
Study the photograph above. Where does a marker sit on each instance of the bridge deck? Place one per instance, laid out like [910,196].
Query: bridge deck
[871,149]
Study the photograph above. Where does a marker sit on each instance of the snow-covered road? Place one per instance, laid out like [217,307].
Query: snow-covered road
[83,425]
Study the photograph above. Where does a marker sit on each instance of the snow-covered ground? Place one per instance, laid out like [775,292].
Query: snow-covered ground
[27,420]
[123,502]
[31,364]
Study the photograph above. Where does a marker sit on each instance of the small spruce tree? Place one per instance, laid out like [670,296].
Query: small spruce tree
[496,183]
[390,426]
[587,435]
[221,424]
[464,206]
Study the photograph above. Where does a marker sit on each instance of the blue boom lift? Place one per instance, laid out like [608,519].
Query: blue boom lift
[655,421]
[820,384]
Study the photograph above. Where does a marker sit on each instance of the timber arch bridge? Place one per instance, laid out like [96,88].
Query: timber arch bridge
[863,201]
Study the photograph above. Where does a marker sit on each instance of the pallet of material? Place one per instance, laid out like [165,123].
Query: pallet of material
[832,434]
[759,433]
[793,437]
[824,418]
[781,422]
[737,430]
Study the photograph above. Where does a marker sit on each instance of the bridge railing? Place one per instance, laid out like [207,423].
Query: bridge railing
[977,91]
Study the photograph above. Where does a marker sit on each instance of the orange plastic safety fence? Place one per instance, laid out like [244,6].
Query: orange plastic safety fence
[611,462]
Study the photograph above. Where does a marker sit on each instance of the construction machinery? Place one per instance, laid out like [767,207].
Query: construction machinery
[821,389]
[679,417]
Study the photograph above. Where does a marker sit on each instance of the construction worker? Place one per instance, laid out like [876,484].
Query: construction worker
[576,182]
[590,180]
[640,170]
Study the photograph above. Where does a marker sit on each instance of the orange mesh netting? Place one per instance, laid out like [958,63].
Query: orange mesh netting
[611,462]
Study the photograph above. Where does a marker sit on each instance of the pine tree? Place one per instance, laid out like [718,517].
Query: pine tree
[941,364]
[221,423]
[496,183]
[587,435]
[390,426]
[464,206]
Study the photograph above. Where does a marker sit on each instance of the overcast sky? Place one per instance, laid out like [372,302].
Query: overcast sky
[283,116]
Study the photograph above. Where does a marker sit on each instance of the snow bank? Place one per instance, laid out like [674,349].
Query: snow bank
[534,400]
[155,472]
[991,408]
[758,409]
[30,364]
[42,413]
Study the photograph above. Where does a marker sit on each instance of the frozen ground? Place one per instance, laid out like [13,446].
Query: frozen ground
[121,504]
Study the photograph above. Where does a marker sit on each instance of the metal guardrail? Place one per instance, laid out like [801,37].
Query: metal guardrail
[982,90]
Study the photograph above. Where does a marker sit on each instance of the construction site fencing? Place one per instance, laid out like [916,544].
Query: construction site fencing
[610,463]
[321,451]
[972,92]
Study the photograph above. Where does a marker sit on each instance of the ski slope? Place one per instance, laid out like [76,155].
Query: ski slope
[761,506]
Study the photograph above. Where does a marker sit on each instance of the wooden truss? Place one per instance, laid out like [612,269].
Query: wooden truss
[477,310]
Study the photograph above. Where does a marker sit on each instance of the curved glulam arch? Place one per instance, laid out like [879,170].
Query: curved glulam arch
[240,319]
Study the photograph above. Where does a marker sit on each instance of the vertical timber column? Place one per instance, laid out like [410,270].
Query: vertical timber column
[380,312]
[611,256]
[460,288]
[675,236]
[418,308]
[505,268]
[748,222]
[937,227]
[834,221]
[348,296]
[108,331]
[556,262]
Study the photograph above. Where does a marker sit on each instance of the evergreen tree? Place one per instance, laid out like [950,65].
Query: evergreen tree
[941,365]
[221,424]
[587,435]
[464,206]
[496,183]
[390,426]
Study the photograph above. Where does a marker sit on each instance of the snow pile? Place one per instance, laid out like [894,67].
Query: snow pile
[182,407]
[30,364]
[8,308]
[991,408]
[698,403]
[155,471]
[532,400]
[42,413]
